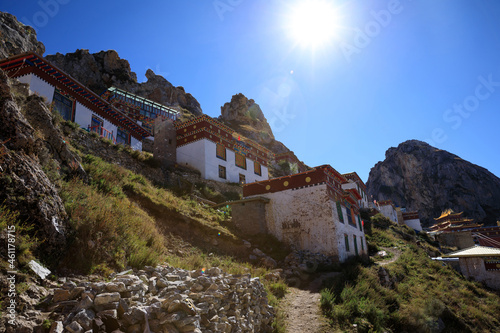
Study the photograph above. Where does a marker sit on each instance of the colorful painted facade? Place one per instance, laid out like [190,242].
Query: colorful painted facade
[451,221]
[311,211]
[354,181]
[74,101]
[219,153]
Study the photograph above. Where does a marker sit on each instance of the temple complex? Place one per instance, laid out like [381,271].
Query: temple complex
[451,221]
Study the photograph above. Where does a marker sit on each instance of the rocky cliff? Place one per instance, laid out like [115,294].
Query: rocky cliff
[16,38]
[246,117]
[33,147]
[420,177]
[104,69]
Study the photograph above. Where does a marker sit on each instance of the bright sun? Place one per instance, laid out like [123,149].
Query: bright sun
[312,23]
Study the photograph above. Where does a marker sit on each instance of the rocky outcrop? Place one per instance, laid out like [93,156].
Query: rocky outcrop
[245,117]
[99,71]
[25,186]
[161,299]
[420,177]
[16,38]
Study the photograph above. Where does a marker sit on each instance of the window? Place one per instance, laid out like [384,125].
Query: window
[242,179]
[346,238]
[362,244]
[360,223]
[96,125]
[64,106]
[349,217]
[257,169]
[221,151]
[222,172]
[122,136]
[241,161]
[355,245]
[339,211]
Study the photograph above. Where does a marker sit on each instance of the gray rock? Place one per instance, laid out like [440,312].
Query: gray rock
[106,298]
[74,327]
[56,327]
[84,318]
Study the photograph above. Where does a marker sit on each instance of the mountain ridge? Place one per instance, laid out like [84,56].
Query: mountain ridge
[421,177]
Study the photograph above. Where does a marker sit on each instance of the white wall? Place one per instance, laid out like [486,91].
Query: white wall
[350,230]
[414,224]
[134,143]
[38,86]
[389,212]
[307,219]
[193,155]
[474,268]
[202,155]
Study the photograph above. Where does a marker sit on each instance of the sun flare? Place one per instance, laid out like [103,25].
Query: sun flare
[312,23]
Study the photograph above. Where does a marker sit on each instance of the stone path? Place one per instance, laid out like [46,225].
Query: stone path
[302,308]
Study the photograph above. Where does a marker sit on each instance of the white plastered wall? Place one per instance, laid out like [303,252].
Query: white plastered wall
[389,212]
[193,155]
[202,155]
[38,86]
[347,229]
[307,219]
[414,224]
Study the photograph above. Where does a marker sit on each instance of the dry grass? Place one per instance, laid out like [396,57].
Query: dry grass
[424,292]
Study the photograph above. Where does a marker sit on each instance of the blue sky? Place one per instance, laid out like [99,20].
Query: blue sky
[392,71]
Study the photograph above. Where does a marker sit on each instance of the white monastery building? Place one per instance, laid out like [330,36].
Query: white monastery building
[308,210]
[219,153]
[74,101]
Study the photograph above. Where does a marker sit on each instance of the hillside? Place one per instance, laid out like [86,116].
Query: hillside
[75,213]
[420,177]
[405,291]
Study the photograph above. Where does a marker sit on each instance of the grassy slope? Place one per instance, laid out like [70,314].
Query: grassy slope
[421,295]
[119,219]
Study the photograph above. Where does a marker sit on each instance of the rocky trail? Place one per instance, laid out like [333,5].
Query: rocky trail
[302,307]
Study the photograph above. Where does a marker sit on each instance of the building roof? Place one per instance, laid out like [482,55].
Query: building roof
[449,213]
[323,174]
[475,251]
[355,177]
[32,63]
[142,100]
[206,127]
[385,203]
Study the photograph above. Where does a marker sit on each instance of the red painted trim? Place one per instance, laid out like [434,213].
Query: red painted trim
[73,88]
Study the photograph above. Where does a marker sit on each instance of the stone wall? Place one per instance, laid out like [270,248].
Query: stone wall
[462,240]
[161,299]
[474,268]
[165,143]
[249,216]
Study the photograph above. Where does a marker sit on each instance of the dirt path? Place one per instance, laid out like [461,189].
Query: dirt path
[396,254]
[302,311]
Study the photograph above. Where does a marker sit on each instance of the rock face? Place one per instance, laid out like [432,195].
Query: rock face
[420,177]
[24,183]
[16,38]
[245,117]
[104,69]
